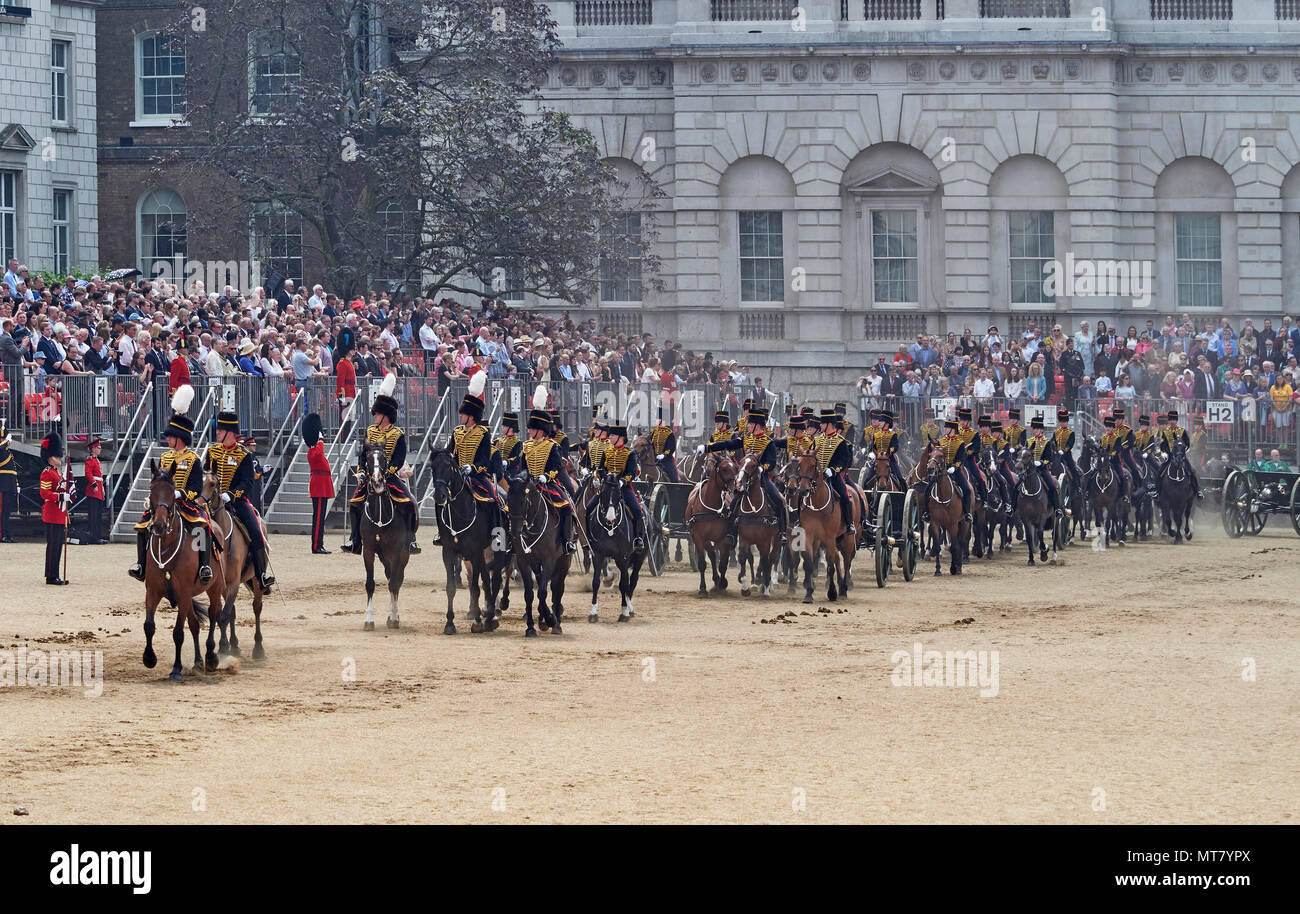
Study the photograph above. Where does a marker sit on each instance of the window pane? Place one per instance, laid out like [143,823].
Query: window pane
[1197,251]
[894,264]
[1031,243]
[762,267]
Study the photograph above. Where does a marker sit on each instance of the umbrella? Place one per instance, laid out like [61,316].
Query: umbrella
[124,273]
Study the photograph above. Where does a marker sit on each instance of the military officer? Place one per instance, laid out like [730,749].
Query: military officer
[8,484]
[663,445]
[1064,438]
[233,467]
[1043,449]
[541,457]
[384,431]
[758,443]
[54,505]
[619,459]
[1171,434]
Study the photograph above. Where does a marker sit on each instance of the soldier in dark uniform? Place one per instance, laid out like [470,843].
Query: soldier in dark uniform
[721,427]
[1064,438]
[8,484]
[1169,435]
[929,428]
[541,457]
[507,449]
[383,431]
[758,443]
[255,486]
[1124,443]
[1110,447]
[847,428]
[619,459]
[233,467]
[1014,431]
[886,445]
[562,446]
[745,409]
[953,447]
[970,453]
[663,445]
[797,440]
[1143,437]
[833,458]
[1043,449]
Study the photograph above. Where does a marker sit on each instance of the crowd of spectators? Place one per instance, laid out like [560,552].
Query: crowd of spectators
[1173,362]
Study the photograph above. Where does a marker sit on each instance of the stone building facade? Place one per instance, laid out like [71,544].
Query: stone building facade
[844,177]
[48,186]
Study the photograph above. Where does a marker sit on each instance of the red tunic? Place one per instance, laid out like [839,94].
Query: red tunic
[346,384]
[94,479]
[322,483]
[51,491]
[180,374]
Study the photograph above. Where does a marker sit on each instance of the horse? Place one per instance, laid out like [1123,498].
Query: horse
[947,514]
[996,516]
[1176,495]
[611,530]
[467,530]
[757,528]
[1078,501]
[239,570]
[818,510]
[645,459]
[385,531]
[691,468]
[706,518]
[1033,509]
[172,571]
[1142,501]
[538,552]
[1102,483]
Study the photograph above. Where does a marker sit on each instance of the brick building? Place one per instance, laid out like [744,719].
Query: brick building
[47,134]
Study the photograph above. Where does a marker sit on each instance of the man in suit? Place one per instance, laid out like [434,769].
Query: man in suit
[1205,384]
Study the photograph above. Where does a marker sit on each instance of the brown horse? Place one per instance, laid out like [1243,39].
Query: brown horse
[691,468]
[172,571]
[239,570]
[645,459]
[947,515]
[821,527]
[706,516]
[757,528]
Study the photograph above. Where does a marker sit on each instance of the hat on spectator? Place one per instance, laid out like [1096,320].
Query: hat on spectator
[247,346]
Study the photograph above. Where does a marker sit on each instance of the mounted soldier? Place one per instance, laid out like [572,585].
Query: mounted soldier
[562,450]
[181,461]
[620,460]
[1124,444]
[970,450]
[232,465]
[508,448]
[384,431]
[1043,449]
[847,428]
[1064,440]
[758,443]
[886,443]
[930,431]
[1169,436]
[663,445]
[1014,432]
[721,427]
[833,459]
[541,457]
[953,448]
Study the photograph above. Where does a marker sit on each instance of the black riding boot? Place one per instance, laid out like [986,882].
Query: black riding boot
[562,527]
[414,547]
[1052,500]
[141,544]
[354,544]
[205,549]
[264,577]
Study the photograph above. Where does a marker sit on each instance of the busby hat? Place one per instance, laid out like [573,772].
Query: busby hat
[540,418]
[1108,421]
[1171,416]
[797,422]
[511,421]
[758,416]
[1118,412]
[385,404]
[618,428]
[555,419]
[829,415]
[841,408]
[928,412]
[1144,419]
[311,427]
[873,415]
[964,413]
[1013,412]
[749,401]
[1037,421]
[950,424]
[51,446]
[888,416]
[346,342]
[1062,415]
[228,422]
[986,421]
[808,411]
[180,425]
[472,405]
[721,416]
[95,442]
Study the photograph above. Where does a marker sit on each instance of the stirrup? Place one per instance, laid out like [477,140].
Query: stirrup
[785,537]
[851,530]
[136,571]
[267,580]
[205,574]
[414,548]
[638,544]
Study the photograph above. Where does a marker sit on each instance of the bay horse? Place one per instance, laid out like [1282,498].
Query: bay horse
[691,468]
[1033,509]
[237,557]
[757,528]
[1102,483]
[538,552]
[611,530]
[1176,495]
[645,459]
[386,532]
[171,570]
[706,518]
[947,514]
[467,530]
[821,528]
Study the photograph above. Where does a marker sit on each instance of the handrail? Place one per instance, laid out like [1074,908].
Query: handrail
[132,442]
[275,448]
[420,468]
[201,423]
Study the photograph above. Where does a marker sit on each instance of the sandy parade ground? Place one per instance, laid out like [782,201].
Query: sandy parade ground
[1156,683]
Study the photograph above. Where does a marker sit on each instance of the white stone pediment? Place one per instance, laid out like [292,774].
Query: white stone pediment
[893,180]
[15,138]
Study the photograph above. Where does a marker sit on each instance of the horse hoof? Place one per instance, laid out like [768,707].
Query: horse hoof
[176,676]
[476,628]
[368,627]
[449,629]
[491,625]
[744,591]
[150,658]
[592,617]
[807,599]
[394,623]
[557,630]
[258,653]
[233,651]
[705,594]
[624,616]
[210,662]
[543,625]
[531,633]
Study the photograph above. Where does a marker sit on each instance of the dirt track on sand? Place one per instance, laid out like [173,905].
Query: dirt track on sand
[1120,684]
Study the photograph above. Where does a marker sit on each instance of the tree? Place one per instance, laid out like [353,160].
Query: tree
[406,138]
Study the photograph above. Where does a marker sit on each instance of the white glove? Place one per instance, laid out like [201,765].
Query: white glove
[952,470]
[178,494]
[700,450]
[1163,455]
[1038,463]
[871,455]
[464,471]
[659,457]
[828,473]
[541,479]
[225,497]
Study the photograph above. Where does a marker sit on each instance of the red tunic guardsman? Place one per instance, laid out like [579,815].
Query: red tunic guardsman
[94,488]
[54,506]
[320,486]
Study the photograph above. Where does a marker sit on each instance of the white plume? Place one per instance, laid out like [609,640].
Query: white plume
[182,399]
[388,385]
[477,383]
[539,397]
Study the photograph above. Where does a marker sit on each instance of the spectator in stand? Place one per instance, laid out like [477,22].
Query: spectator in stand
[1282,396]
[446,372]
[1125,390]
[306,365]
[1014,388]
[248,359]
[1169,386]
[97,358]
[1036,384]
[1187,385]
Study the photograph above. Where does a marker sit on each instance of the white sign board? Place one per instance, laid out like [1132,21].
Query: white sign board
[1048,413]
[942,405]
[515,398]
[691,417]
[586,398]
[228,397]
[1219,412]
[101,393]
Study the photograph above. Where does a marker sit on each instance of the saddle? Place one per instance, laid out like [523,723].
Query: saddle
[554,492]
[482,489]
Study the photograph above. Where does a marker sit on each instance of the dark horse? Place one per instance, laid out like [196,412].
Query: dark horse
[239,571]
[1176,495]
[610,530]
[1033,510]
[1102,483]
[466,528]
[172,571]
[538,552]
[385,531]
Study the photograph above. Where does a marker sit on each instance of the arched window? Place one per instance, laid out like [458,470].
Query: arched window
[1197,267]
[758,193]
[1028,222]
[160,228]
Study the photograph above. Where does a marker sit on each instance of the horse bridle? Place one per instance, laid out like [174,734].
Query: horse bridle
[445,506]
[529,486]
[156,537]
[381,496]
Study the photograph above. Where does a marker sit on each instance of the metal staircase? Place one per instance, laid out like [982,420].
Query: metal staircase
[137,495]
[290,510]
